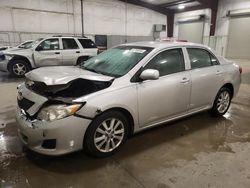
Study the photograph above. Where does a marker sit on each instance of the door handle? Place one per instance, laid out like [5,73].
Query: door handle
[57,52]
[185,80]
[78,52]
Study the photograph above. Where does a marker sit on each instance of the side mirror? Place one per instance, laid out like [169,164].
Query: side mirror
[39,48]
[150,74]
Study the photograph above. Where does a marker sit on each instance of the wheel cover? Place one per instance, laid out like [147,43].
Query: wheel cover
[223,101]
[19,69]
[109,135]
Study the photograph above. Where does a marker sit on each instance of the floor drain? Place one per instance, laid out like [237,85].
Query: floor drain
[2,125]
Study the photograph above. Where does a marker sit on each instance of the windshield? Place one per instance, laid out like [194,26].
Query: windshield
[30,44]
[117,61]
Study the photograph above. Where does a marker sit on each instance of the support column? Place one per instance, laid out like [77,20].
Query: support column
[170,24]
[214,10]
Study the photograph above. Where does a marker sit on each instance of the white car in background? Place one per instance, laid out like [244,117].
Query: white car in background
[52,51]
[3,49]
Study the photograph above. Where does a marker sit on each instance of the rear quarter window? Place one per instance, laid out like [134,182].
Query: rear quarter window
[87,43]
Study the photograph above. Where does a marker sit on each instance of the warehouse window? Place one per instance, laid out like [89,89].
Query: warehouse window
[87,43]
[69,44]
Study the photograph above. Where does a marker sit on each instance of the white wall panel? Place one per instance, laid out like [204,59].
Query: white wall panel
[26,20]
[224,6]
[34,17]
[222,24]
[6,19]
[55,23]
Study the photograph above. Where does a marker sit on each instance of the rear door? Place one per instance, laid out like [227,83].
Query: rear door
[48,53]
[206,75]
[168,96]
[70,51]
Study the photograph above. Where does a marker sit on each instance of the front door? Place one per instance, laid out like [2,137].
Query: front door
[48,53]
[168,96]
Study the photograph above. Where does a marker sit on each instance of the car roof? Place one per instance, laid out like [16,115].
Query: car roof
[164,44]
[70,37]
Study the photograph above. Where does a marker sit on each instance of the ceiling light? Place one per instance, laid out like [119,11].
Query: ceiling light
[181,7]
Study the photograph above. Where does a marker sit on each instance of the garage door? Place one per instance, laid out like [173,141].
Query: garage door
[239,38]
[191,31]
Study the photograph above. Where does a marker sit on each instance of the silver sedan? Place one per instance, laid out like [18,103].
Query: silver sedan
[129,88]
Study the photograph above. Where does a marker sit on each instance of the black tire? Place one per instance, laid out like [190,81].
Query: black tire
[215,111]
[81,60]
[12,68]
[90,145]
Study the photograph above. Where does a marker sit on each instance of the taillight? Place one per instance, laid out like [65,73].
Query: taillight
[240,69]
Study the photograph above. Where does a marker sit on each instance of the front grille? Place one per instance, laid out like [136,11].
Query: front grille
[24,103]
[49,144]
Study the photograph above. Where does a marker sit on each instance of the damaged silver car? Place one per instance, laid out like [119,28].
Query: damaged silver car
[97,105]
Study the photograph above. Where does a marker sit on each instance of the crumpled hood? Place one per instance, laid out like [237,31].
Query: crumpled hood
[63,74]
[13,49]
[18,51]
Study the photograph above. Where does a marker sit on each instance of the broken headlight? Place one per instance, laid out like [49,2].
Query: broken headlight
[55,112]
[8,57]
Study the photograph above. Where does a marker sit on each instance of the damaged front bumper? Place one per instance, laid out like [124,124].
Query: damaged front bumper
[47,137]
[52,138]
[3,65]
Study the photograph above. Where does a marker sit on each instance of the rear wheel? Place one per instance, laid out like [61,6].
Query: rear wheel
[106,134]
[222,102]
[19,68]
[81,60]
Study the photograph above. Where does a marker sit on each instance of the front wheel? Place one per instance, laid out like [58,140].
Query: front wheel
[222,102]
[106,134]
[19,68]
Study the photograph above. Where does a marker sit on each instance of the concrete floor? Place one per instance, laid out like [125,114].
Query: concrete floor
[199,151]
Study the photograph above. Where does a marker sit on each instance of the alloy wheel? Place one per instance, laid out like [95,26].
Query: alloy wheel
[223,102]
[109,135]
[19,69]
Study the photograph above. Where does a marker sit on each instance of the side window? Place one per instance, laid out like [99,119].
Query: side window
[87,43]
[69,44]
[201,58]
[167,62]
[49,44]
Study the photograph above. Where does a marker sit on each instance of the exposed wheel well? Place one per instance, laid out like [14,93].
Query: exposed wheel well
[82,58]
[128,115]
[19,58]
[230,87]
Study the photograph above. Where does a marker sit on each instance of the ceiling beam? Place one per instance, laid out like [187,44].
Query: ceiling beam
[153,7]
[170,25]
[197,7]
[214,10]
[207,3]
[175,3]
